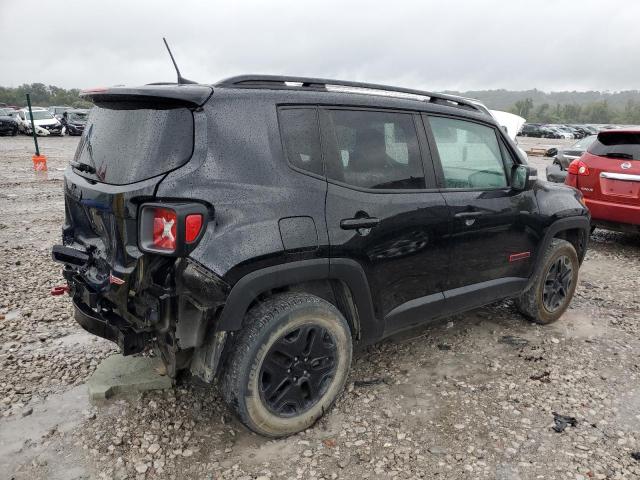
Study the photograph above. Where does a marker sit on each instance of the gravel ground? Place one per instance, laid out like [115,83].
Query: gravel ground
[472,397]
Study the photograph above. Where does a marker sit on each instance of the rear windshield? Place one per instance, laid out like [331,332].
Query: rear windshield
[623,145]
[39,115]
[127,145]
[78,116]
[583,143]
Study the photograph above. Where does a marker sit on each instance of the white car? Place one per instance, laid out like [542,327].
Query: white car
[510,122]
[44,121]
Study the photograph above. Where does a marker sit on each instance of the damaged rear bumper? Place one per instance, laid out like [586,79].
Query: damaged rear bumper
[110,327]
[166,303]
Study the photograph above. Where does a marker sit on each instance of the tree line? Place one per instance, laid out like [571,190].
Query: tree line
[42,96]
[534,105]
[594,112]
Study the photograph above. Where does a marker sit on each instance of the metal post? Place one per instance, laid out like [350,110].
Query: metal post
[33,125]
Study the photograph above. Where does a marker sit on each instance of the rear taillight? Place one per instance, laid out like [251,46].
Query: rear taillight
[193,225]
[164,229]
[578,167]
[171,228]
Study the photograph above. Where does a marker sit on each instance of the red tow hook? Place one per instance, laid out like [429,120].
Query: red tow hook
[59,290]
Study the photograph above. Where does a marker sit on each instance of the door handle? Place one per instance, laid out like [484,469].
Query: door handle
[474,214]
[357,223]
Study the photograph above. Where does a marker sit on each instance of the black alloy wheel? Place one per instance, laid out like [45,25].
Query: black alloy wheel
[288,364]
[552,287]
[557,283]
[297,370]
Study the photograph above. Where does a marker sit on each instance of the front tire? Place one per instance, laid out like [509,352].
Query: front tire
[288,364]
[553,286]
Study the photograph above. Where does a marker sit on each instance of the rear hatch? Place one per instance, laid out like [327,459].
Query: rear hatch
[132,139]
[613,162]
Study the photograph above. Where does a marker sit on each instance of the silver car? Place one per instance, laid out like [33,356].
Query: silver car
[567,155]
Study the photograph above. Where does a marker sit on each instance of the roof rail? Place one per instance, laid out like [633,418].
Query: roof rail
[277,82]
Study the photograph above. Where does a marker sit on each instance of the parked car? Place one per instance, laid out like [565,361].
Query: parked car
[581,131]
[8,123]
[511,124]
[557,172]
[559,132]
[567,155]
[257,230]
[566,131]
[540,131]
[608,175]
[58,111]
[44,121]
[74,121]
[532,130]
[578,133]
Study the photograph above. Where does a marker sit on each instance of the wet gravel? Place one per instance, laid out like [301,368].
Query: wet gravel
[471,397]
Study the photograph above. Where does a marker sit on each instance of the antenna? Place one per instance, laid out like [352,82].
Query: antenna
[181,79]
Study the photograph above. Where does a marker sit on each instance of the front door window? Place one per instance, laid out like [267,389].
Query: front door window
[470,154]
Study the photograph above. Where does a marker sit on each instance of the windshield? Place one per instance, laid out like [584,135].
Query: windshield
[584,143]
[623,145]
[127,145]
[78,117]
[39,115]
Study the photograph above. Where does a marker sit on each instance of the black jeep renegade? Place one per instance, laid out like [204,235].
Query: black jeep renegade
[257,230]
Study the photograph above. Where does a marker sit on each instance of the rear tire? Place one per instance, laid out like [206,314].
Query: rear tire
[288,364]
[553,286]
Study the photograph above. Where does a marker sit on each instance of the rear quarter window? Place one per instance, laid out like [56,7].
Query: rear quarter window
[301,138]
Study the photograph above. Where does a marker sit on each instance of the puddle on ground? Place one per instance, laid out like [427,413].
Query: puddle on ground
[257,450]
[79,338]
[20,437]
[628,408]
[578,324]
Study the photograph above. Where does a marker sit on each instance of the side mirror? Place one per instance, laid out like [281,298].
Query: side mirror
[523,177]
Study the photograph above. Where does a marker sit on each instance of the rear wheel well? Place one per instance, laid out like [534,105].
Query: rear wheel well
[333,291]
[576,237]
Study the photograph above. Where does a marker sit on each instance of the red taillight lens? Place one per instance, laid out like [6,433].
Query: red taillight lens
[171,228]
[164,229]
[192,226]
[578,167]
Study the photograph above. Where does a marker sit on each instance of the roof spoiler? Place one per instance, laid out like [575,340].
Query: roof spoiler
[162,95]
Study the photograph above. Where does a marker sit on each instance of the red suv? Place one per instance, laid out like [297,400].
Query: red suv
[608,175]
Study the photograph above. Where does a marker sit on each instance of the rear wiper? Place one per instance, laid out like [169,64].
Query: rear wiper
[626,156]
[83,167]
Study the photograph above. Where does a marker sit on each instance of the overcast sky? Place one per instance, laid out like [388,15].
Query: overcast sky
[438,45]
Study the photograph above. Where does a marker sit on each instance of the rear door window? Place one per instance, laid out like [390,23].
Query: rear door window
[372,149]
[301,138]
[470,154]
[622,145]
[127,145]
